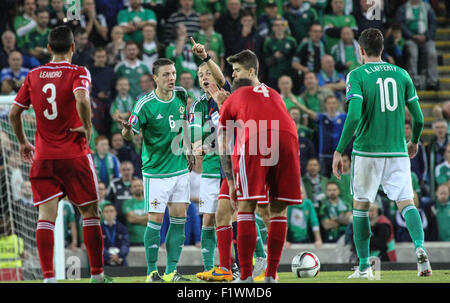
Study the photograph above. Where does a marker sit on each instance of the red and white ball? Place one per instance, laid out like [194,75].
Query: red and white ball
[305,265]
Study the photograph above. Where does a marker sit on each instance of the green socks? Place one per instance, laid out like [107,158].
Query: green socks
[152,240]
[414,225]
[174,242]
[208,245]
[361,237]
[259,250]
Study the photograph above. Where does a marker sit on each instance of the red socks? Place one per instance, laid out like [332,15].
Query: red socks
[246,241]
[275,243]
[224,240]
[93,239]
[45,244]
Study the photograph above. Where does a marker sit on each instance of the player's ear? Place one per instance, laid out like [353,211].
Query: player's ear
[49,49]
[73,47]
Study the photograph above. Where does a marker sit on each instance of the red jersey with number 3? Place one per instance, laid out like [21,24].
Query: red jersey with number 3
[260,108]
[50,90]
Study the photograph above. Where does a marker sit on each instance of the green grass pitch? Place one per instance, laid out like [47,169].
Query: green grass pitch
[386,276]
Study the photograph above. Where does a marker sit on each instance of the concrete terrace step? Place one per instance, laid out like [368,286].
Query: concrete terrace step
[434,96]
[443,45]
[443,34]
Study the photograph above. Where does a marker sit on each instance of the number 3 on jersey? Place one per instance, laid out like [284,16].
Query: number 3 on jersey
[51,100]
[385,99]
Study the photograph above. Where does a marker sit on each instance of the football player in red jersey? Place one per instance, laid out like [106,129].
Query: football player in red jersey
[265,159]
[61,163]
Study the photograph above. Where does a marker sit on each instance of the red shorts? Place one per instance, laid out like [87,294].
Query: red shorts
[225,194]
[75,178]
[275,176]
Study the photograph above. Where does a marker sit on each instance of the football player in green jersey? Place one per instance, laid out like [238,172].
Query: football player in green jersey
[161,116]
[377,93]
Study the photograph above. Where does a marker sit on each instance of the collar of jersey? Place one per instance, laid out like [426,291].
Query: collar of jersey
[163,101]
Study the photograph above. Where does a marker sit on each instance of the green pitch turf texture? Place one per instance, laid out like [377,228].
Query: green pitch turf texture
[387,276]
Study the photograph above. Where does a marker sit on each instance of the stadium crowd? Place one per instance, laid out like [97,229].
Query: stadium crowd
[305,47]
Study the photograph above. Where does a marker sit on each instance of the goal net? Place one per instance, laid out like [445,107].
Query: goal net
[19,258]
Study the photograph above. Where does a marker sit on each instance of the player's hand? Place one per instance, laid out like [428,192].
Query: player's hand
[318,244]
[233,196]
[27,152]
[198,49]
[124,123]
[412,149]
[191,162]
[337,165]
[82,130]
[218,95]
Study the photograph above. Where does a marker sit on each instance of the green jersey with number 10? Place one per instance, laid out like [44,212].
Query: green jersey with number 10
[384,89]
[160,122]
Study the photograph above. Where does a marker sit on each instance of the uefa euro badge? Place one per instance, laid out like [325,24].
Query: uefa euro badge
[133,120]
[155,203]
[85,83]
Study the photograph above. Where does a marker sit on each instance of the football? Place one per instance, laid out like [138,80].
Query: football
[305,265]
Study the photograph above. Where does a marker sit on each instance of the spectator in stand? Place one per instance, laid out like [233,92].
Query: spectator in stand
[122,105]
[443,170]
[180,51]
[346,52]
[212,40]
[26,22]
[106,164]
[382,241]
[334,22]
[300,16]
[45,4]
[265,21]
[185,15]
[419,162]
[9,45]
[37,39]
[84,49]
[57,14]
[314,96]
[395,46]
[371,14]
[124,152]
[102,195]
[15,71]
[278,52]
[229,25]
[315,184]
[115,50]
[435,151]
[119,190]
[133,19]
[345,182]
[213,7]
[419,24]
[131,68]
[334,214]
[109,9]
[308,54]
[307,150]
[151,48]
[135,214]
[116,243]
[187,82]
[328,77]
[442,210]
[94,23]
[70,226]
[147,84]
[7,88]
[290,100]
[330,124]
[301,222]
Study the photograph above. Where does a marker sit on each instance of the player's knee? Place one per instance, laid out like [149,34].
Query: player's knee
[156,217]
[90,210]
[208,219]
[278,209]
[178,209]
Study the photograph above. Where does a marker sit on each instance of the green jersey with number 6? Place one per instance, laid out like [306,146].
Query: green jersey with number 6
[384,89]
[160,122]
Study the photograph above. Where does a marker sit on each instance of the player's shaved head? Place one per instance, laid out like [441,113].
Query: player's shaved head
[372,41]
[60,39]
[240,82]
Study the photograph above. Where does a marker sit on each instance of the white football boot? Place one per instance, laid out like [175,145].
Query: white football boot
[423,264]
[365,274]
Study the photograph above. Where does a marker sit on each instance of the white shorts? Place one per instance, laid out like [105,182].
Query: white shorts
[394,175]
[209,195]
[159,191]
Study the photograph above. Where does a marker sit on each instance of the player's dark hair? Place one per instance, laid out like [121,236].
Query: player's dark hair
[372,41]
[60,39]
[246,58]
[240,82]
[159,63]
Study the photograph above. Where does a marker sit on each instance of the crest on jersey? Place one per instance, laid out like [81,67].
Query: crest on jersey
[155,203]
[85,83]
[181,109]
[133,120]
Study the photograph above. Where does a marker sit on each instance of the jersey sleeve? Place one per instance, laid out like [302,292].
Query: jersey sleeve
[23,96]
[353,87]
[225,112]
[137,118]
[82,79]
[195,122]
[411,94]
